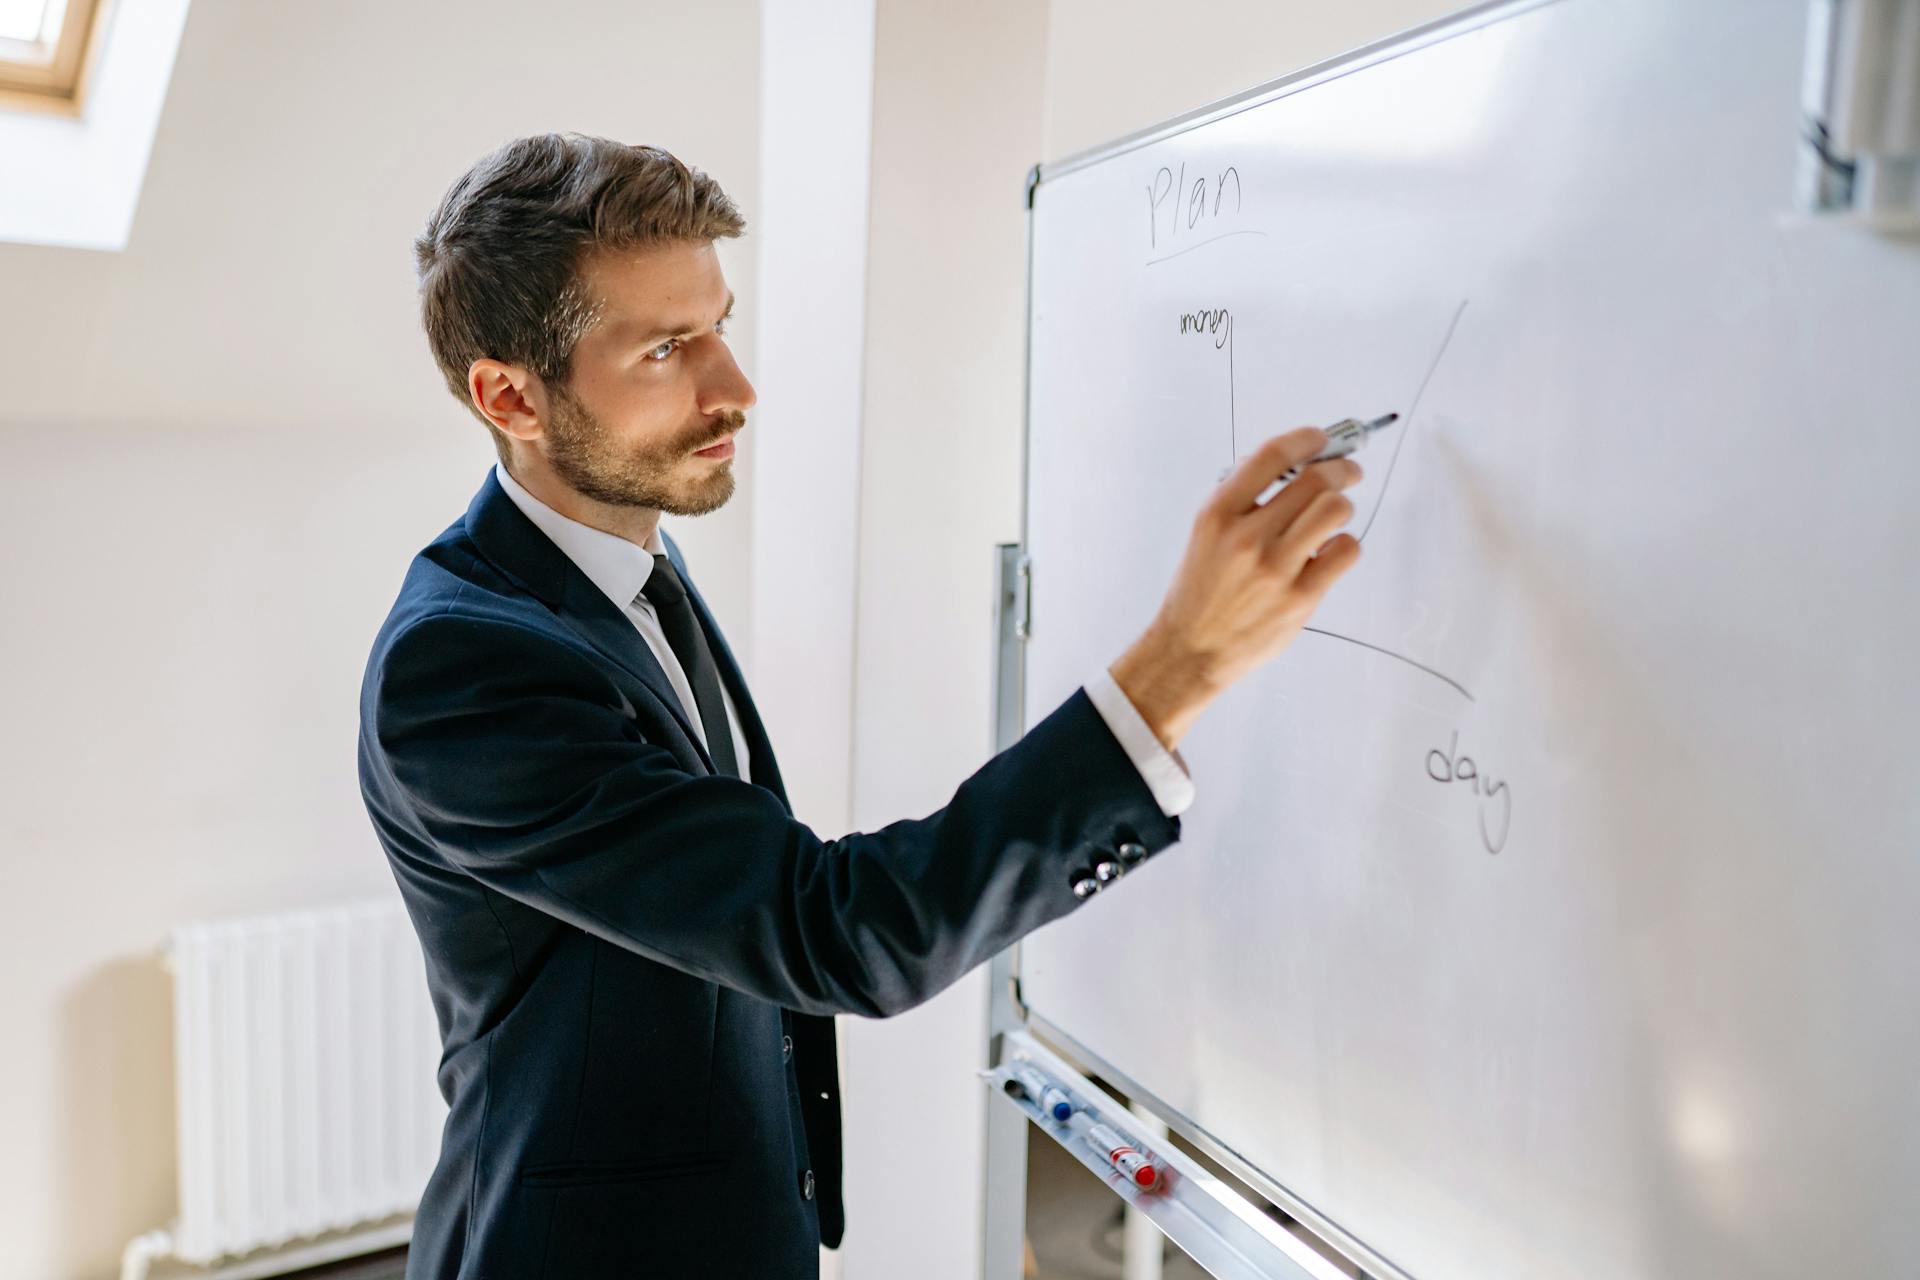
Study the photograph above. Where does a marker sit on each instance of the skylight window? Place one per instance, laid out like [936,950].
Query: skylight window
[71,166]
[43,53]
[29,22]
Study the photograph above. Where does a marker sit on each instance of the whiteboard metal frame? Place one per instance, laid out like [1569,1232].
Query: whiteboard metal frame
[1471,18]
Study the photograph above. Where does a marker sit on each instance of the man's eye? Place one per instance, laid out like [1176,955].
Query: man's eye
[664,352]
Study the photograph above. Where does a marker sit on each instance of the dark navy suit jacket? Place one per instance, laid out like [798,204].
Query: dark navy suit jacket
[635,962]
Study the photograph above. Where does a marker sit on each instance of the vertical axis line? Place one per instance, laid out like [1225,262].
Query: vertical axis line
[1233,418]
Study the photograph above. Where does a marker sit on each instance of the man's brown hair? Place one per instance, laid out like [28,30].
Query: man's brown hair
[499,262]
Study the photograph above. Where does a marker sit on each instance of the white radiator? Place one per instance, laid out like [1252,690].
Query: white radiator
[305,1051]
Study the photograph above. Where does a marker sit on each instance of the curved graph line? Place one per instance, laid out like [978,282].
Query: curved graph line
[1407,428]
[1335,635]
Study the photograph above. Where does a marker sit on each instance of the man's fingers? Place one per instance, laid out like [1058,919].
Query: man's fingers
[1334,558]
[1266,464]
[1320,520]
[1279,511]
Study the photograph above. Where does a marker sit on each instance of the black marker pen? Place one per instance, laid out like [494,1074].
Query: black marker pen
[1345,437]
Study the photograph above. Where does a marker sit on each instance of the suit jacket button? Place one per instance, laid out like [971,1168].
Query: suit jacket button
[1108,871]
[1131,852]
[1084,885]
[806,1185]
[786,1048]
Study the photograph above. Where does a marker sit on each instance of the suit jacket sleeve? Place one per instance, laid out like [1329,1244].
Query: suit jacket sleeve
[520,762]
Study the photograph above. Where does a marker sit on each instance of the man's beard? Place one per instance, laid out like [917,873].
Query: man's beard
[583,454]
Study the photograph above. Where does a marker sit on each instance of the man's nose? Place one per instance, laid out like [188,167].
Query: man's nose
[725,387]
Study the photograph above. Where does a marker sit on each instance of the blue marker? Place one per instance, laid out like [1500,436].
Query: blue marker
[1057,1104]
[1049,1097]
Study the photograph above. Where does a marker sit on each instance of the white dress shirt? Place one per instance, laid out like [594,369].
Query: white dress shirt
[620,569]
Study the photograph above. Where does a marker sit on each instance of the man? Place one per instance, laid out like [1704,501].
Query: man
[634,950]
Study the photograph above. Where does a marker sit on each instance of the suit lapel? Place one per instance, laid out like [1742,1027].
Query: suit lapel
[518,549]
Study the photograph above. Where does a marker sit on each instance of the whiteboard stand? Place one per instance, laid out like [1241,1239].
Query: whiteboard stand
[1004,1213]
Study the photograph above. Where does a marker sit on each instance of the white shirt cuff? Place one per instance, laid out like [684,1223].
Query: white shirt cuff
[1164,772]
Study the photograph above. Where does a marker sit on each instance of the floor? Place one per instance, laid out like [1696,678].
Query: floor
[388,1265]
[1074,1227]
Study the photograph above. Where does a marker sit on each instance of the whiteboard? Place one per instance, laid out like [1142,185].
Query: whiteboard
[1551,911]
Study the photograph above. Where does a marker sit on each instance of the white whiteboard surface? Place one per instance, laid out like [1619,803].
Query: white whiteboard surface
[1641,996]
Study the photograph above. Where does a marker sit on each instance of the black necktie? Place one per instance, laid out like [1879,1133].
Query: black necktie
[669,597]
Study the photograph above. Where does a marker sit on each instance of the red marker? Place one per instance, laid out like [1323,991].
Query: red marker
[1122,1155]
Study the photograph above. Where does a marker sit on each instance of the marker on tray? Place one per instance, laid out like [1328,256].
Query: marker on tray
[1025,1082]
[1057,1104]
[1122,1155]
[1049,1097]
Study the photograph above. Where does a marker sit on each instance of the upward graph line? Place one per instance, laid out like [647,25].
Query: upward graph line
[1406,427]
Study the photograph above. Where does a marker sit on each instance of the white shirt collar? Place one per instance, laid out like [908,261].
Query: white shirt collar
[618,567]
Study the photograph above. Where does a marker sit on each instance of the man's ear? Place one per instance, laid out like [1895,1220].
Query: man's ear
[509,396]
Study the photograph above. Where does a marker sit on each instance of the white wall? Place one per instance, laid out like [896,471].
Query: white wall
[817,134]
[220,449]
[816,117]
[1115,66]
[956,124]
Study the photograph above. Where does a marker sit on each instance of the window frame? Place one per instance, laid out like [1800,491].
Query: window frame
[59,83]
